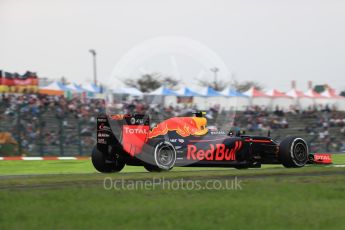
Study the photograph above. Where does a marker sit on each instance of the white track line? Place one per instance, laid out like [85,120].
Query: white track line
[339,166]
[32,158]
[67,158]
[40,158]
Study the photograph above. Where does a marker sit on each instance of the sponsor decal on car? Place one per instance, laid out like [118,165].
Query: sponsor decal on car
[134,137]
[103,127]
[137,130]
[119,116]
[216,152]
[103,135]
[217,133]
[322,158]
[183,126]
[101,141]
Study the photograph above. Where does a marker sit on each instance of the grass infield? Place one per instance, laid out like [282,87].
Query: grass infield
[85,166]
[71,195]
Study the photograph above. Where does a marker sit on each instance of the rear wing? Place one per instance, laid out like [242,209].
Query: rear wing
[126,132]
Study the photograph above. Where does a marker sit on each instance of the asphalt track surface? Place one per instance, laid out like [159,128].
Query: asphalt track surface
[99,181]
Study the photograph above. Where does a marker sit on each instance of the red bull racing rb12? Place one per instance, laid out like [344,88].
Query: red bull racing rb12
[186,141]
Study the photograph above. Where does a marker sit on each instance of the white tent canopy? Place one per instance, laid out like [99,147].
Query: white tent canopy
[55,85]
[74,88]
[185,91]
[311,93]
[127,90]
[334,98]
[331,93]
[205,97]
[294,93]
[257,97]
[279,99]
[163,91]
[162,95]
[317,98]
[92,88]
[300,99]
[234,100]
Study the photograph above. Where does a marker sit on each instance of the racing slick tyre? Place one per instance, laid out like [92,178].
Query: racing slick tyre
[293,152]
[104,165]
[152,168]
[159,156]
[241,166]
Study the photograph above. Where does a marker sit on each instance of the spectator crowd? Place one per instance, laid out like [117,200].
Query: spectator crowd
[41,122]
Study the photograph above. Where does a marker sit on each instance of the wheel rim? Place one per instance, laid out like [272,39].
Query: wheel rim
[165,157]
[300,152]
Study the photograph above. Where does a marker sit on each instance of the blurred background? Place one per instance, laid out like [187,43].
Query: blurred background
[273,65]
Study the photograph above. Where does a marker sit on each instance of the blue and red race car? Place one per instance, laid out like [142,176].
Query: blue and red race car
[186,141]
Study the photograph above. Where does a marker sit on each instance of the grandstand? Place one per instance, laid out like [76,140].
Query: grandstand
[60,119]
[55,125]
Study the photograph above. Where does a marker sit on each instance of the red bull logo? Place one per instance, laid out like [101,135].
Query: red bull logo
[216,152]
[183,126]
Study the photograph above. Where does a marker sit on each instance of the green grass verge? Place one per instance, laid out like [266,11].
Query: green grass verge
[314,202]
[273,197]
[85,166]
[63,166]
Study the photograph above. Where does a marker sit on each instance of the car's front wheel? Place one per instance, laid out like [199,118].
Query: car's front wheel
[152,168]
[104,164]
[164,155]
[293,152]
[159,155]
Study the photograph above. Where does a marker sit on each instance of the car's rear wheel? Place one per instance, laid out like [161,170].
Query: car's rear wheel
[293,152]
[104,164]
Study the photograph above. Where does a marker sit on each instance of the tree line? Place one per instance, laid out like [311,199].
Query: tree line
[149,82]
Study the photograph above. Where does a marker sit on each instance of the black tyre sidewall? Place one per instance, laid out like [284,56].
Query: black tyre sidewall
[158,148]
[99,162]
[287,155]
[149,155]
[152,168]
[241,167]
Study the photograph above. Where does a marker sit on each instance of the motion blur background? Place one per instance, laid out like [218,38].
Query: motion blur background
[257,66]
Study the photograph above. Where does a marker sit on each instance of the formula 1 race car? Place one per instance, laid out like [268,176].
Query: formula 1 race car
[186,141]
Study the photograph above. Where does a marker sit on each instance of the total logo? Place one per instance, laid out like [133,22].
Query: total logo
[216,152]
[320,157]
[135,130]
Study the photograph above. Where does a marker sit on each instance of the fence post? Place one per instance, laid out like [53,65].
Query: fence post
[40,125]
[61,136]
[80,147]
[19,129]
